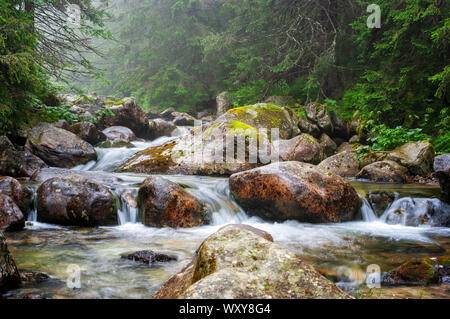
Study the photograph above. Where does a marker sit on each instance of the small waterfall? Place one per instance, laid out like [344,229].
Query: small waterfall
[417,211]
[32,216]
[368,214]
[127,207]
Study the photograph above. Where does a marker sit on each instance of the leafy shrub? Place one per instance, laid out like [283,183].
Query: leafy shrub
[387,138]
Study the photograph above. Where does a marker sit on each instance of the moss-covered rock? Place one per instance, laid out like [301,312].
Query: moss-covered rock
[421,271]
[238,263]
[211,150]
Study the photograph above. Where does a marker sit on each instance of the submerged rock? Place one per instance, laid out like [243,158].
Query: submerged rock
[148,257]
[76,201]
[418,211]
[17,163]
[166,204]
[442,171]
[58,147]
[294,190]
[345,164]
[418,157]
[9,275]
[238,263]
[384,172]
[434,270]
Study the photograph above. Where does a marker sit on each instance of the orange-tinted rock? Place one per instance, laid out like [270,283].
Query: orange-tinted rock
[11,217]
[293,190]
[166,204]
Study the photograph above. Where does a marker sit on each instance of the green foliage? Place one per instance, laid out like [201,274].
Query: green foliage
[387,139]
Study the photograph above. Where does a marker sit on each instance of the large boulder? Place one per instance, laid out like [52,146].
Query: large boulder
[303,148]
[118,136]
[294,190]
[224,103]
[384,172]
[442,171]
[88,132]
[160,127]
[17,163]
[345,164]
[11,217]
[58,147]
[380,201]
[166,204]
[238,263]
[202,152]
[307,127]
[9,274]
[418,157]
[76,201]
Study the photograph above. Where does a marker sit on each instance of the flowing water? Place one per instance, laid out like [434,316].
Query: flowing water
[342,251]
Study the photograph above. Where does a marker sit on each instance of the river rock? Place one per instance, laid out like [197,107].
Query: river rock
[19,194]
[11,217]
[384,172]
[345,164]
[418,157]
[424,271]
[442,171]
[417,212]
[88,132]
[328,146]
[148,257]
[17,163]
[166,204]
[307,127]
[9,275]
[76,201]
[224,103]
[237,263]
[118,136]
[294,190]
[63,124]
[303,148]
[100,177]
[160,127]
[126,113]
[202,151]
[183,119]
[327,121]
[58,147]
